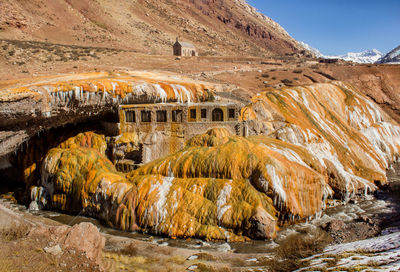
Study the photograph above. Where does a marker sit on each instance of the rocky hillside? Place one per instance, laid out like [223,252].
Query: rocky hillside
[217,27]
[393,57]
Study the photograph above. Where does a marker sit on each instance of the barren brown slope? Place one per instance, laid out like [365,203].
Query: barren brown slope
[216,27]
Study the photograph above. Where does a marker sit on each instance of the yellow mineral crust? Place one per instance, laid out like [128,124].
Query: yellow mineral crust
[312,142]
[352,138]
[213,137]
[287,174]
[88,140]
[78,178]
[122,85]
[213,209]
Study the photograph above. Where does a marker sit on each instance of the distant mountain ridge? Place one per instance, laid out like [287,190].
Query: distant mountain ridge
[393,57]
[367,56]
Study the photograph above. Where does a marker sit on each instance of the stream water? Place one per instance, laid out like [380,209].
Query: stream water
[383,206]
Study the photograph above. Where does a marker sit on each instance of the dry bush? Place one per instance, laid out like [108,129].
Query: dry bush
[7,266]
[209,268]
[294,248]
[206,256]
[130,250]
[14,232]
[286,81]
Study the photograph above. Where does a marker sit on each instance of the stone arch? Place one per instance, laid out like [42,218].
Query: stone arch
[217,115]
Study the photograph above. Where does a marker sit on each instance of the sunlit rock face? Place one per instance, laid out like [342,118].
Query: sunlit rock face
[308,144]
[212,209]
[53,101]
[287,174]
[77,177]
[353,140]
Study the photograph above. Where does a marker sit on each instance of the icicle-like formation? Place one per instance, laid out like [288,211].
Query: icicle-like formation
[343,130]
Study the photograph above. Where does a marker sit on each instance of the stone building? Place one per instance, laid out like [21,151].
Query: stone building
[157,130]
[184,49]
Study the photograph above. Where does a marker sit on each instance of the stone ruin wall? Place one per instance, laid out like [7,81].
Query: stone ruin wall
[157,138]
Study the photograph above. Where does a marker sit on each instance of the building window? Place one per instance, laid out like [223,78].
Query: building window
[203,113]
[130,117]
[161,116]
[146,116]
[231,113]
[193,114]
[177,116]
[217,115]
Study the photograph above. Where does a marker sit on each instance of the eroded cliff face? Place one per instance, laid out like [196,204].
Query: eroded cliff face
[77,177]
[352,138]
[308,144]
[288,174]
[34,106]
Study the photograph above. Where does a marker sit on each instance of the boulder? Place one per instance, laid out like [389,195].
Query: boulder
[84,238]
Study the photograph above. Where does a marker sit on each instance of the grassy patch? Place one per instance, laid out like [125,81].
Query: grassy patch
[14,232]
[289,253]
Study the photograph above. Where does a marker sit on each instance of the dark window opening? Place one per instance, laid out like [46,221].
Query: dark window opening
[161,116]
[203,113]
[193,114]
[130,117]
[231,113]
[146,116]
[177,116]
[217,115]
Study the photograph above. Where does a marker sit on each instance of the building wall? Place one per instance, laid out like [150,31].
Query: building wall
[162,138]
[178,50]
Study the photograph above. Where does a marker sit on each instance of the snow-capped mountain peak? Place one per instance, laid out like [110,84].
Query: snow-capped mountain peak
[308,47]
[367,56]
[391,57]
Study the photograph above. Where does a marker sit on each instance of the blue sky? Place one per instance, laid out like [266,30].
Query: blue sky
[338,26]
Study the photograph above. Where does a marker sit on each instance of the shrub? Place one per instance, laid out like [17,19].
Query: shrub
[14,232]
[130,250]
[294,248]
[286,81]
[297,71]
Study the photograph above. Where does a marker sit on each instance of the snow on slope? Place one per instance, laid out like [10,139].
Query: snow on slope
[312,49]
[376,254]
[367,56]
[392,57]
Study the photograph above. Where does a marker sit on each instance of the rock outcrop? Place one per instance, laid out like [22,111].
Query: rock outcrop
[352,138]
[307,144]
[82,180]
[57,101]
[84,238]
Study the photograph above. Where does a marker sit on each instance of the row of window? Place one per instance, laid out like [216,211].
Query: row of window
[161,115]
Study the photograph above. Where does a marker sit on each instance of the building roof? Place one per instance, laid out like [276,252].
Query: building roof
[186,44]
